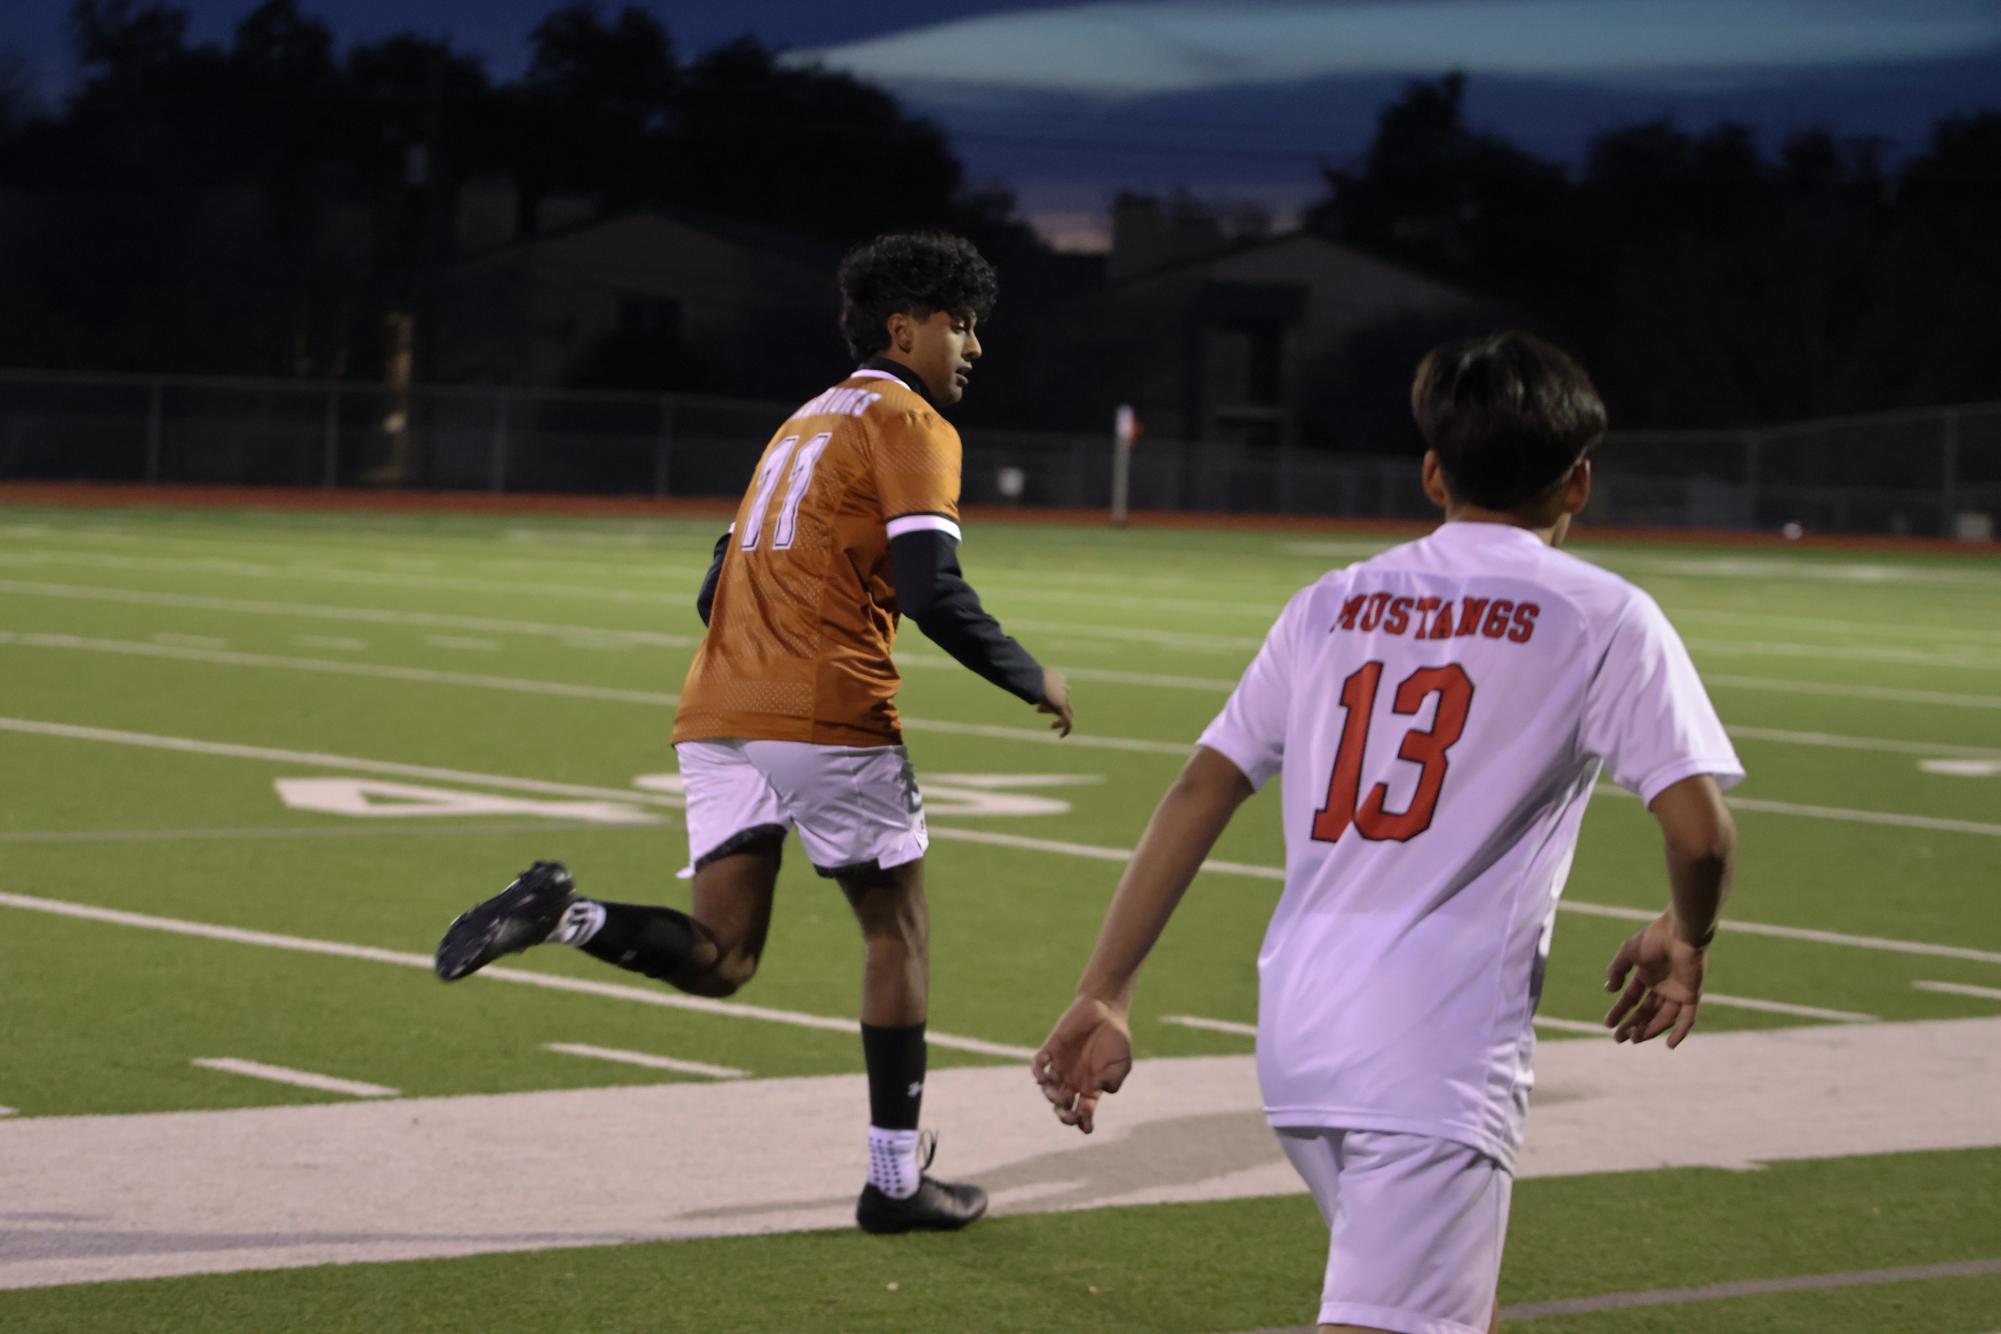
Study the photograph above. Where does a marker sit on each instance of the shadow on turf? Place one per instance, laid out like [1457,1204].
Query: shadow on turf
[1185,1152]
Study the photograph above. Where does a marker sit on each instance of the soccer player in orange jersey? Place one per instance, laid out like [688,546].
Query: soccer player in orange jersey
[788,717]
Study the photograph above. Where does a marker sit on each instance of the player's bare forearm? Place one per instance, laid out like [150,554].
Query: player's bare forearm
[1701,841]
[1667,960]
[1185,826]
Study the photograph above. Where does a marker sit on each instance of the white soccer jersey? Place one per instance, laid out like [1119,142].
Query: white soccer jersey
[1440,714]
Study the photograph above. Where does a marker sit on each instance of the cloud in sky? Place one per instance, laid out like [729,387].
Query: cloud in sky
[1139,48]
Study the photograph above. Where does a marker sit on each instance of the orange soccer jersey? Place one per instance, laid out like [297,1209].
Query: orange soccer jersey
[799,639]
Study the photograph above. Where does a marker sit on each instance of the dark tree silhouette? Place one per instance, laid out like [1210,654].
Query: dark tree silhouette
[1438,196]
[592,114]
[260,205]
[1703,282]
[819,154]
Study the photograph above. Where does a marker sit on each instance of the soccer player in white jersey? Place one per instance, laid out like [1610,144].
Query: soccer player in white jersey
[1439,715]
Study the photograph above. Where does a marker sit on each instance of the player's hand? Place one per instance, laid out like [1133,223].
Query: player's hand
[1056,700]
[1087,1055]
[1666,989]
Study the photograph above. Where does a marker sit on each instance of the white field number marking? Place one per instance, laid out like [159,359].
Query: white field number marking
[1963,768]
[378,799]
[374,798]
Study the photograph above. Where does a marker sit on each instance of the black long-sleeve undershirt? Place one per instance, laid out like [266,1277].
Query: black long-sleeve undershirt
[705,600]
[932,591]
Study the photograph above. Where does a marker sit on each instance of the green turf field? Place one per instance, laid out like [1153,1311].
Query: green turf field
[509,684]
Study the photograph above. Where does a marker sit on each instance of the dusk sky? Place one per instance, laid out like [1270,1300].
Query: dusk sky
[1066,103]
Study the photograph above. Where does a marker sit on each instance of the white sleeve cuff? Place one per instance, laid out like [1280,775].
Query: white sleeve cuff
[918,523]
[1257,769]
[1725,769]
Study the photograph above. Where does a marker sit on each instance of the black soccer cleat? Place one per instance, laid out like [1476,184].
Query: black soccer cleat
[937,1206]
[521,915]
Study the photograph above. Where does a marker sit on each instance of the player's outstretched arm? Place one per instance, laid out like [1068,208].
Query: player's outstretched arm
[1089,1052]
[1668,959]
[931,590]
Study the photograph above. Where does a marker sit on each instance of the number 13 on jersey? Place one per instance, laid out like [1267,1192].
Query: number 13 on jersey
[1345,806]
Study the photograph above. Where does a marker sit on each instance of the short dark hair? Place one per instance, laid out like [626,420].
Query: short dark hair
[1508,416]
[916,273]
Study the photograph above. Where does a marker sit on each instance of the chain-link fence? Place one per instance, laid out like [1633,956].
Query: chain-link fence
[1929,473]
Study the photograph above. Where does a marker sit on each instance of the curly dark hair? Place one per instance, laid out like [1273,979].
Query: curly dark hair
[914,273]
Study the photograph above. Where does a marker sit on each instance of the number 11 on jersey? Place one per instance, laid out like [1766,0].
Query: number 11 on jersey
[1426,748]
[801,477]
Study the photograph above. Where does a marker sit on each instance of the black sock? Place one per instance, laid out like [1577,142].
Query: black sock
[653,941]
[895,1059]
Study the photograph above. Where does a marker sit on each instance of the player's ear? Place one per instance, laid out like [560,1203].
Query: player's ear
[1434,481]
[902,331]
[1578,489]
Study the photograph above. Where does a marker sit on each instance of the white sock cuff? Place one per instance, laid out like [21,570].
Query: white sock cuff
[893,1167]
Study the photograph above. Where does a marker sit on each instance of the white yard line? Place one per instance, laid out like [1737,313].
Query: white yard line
[646,1060]
[1011,587]
[1849,815]
[1787,1008]
[306,572]
[1874,574]
[1885,744]
[1206,684]
[653,563]
[661,996]
[659,563]
[1757,1287]
[1899,630]
[191,641]
[1092,852]
[1960,989]
[1846,814]
[323,611]
[1732,925]
[142,597]
[1181,639]
[560,689]
[1133,745]
[661,699]
[398,829]
[1969,658]
[1887,694]
[304,1079]
[321,759]
[338,667]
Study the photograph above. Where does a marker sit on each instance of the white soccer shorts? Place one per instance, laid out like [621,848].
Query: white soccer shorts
[1417,1227]
[854,806]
